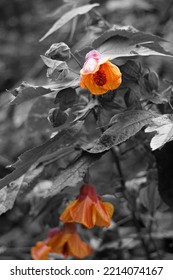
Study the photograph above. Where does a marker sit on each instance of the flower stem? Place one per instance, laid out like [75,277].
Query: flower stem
[75,58]
[73,71]
[123,187]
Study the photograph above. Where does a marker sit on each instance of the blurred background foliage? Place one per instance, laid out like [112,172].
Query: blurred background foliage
[22,24]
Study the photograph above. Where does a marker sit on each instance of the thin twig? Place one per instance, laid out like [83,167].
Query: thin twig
[159,256]
[122,181]
[138,229]
[75,58]
[73,71]
[118,165]
[123,187]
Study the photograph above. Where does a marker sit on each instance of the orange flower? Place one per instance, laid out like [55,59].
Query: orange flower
[98,74]
[64,241]
[88,209]
[40,251]
[68,242]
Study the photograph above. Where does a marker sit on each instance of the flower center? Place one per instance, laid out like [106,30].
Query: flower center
[99,78]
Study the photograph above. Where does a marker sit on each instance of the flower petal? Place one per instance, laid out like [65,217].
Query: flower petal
[113,76]
[94,54]
[90,66]
[87,81]
[40,251]
[59,242]
[83,212]
[109,208]
[77,247]
[66,215]
[104,212]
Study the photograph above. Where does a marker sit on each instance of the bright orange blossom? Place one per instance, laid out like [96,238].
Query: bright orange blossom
[99,75]
[64,241]
[88,209]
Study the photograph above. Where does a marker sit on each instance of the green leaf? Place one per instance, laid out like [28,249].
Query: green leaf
[66,98]
[165,166]
[67,83]
[8,196]
[37,121]
[72,175]
[126,42]
[164,222]
[61,10]
[66,7]
[57,69]
[57,117]
[129,5]
[83,113]
[49,151]
[131,70]
[52,63]
[123,126]
[70,80]
[27,92]
[77,1]
[44,206]
[67,17]
[163,126]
